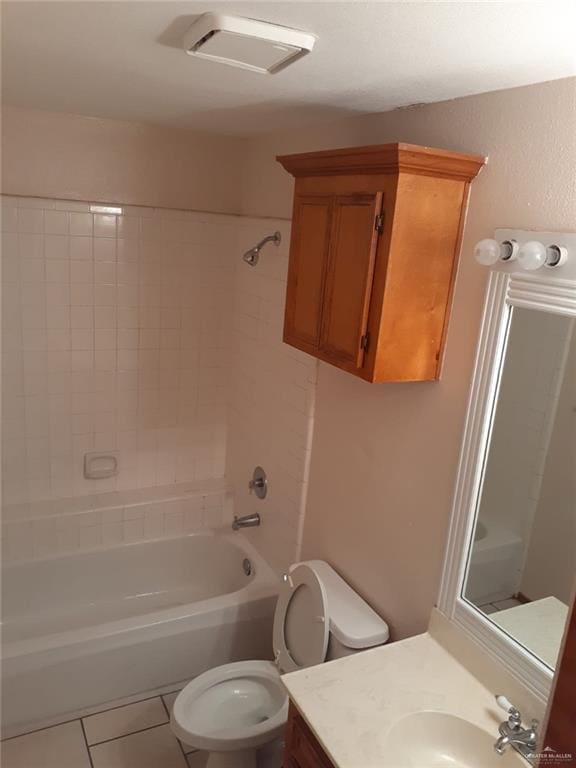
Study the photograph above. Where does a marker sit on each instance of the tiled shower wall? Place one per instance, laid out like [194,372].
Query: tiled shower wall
[117,337]
[272,395]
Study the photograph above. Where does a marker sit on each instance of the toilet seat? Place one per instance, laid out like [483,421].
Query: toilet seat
[301,623]
[232,707]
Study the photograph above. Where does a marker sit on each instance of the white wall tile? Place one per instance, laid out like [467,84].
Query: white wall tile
[92,324]
[56,247]
[56,222]
[80,248]
[30,220]
[81,224]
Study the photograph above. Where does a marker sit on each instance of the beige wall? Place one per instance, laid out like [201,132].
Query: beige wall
[49,154]
[384,456]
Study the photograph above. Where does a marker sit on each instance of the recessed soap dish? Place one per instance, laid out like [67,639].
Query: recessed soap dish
[100,466]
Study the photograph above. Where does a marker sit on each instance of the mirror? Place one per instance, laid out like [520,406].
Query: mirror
[522,562]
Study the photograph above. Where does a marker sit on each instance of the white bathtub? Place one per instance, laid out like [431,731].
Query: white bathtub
[495,564]
[85,629]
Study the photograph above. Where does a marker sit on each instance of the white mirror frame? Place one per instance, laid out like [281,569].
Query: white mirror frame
[548,291]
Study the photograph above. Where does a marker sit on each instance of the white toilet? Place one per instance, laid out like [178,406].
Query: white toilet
[237,712]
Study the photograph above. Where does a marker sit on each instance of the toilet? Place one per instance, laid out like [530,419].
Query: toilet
[237,712]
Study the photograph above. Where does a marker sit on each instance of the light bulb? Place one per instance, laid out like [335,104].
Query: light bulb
[487,252]
[532,255]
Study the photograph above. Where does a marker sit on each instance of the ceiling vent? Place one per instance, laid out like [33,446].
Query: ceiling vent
[246,43]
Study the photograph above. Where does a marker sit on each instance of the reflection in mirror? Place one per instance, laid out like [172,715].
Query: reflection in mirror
[522,564]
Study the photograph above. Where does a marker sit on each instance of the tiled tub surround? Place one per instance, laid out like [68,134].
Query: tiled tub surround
[43,529]
[271,401]
[115,338]
[86,629]
[146,334]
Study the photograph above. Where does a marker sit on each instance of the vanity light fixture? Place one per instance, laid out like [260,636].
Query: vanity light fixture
[530,255]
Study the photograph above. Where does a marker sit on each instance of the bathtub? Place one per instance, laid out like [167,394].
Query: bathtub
[82,630]
[495,563]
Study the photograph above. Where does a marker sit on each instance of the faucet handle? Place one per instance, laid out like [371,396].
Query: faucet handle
[514,716]
[504,703]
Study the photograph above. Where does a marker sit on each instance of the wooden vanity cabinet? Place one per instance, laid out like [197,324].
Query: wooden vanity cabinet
[375,238]
[302,748]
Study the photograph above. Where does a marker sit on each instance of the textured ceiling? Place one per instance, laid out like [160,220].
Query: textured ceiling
[122,59]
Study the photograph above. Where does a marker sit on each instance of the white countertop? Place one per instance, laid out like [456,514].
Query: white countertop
[352,703]
[538,626]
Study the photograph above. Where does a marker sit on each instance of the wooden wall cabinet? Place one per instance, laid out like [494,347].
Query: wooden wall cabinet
[302,748]
[375,239]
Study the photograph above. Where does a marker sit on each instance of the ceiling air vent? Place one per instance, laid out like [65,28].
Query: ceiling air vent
[246,43]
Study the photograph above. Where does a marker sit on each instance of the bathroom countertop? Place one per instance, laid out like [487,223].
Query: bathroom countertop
[352,703]
[538,626]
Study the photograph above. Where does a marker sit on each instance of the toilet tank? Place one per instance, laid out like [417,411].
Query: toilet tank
[354,625]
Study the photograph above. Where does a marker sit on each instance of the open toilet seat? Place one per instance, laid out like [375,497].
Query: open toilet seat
[232,707]
[301,621]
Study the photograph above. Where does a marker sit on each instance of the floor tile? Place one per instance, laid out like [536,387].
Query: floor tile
[154,748]
[121,721]
[169,699]
[62,746]
[502,605]
[197,759]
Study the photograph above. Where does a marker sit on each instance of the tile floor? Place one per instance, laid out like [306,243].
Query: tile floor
[137,735]
[499,605]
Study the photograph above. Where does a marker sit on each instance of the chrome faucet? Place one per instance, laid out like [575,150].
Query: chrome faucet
[248,521]
[523,740]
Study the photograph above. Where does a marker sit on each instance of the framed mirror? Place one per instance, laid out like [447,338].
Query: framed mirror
[510,569]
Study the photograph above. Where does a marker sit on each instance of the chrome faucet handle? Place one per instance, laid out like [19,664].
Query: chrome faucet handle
[259,483]
[514,716]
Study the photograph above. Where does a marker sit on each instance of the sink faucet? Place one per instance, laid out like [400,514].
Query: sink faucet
[523,740]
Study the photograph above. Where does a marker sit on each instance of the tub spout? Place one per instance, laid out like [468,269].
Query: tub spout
[248,521]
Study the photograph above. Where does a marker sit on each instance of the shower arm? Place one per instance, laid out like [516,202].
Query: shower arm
[251,256]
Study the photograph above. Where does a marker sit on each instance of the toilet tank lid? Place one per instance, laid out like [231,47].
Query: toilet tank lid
[352,621]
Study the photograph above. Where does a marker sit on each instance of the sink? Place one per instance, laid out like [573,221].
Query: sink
[438,740]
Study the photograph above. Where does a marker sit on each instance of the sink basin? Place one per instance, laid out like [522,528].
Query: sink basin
[438,740]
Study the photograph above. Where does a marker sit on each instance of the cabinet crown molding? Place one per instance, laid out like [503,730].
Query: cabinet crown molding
[385,159]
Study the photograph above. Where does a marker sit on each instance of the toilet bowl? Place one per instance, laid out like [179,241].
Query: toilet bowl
[232,708]
[237,711]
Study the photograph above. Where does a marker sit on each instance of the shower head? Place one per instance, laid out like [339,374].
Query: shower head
[252,256]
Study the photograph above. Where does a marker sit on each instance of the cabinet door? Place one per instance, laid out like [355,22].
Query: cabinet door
[352,253]
[307,271]
[302,747]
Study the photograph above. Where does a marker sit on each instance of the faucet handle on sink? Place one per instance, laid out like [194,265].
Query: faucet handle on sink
[514,716]
[523,740]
